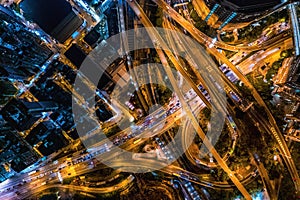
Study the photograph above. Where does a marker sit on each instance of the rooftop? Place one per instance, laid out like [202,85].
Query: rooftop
[249,6]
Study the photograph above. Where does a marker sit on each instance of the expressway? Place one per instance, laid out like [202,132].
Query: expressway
[34,183]
[183,189]
[252,171]
[204,39]
[101,190]
[265,177]
[296,29]
[260,58]
[148,133]
[274,130]
[174,37]
[187,127]
[284,71]
[82,168]
[279,143]
[202,10]
[47,172]
[29,183]
[156,37]
[173,170]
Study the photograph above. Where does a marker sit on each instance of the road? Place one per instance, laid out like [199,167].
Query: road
[295,25]
[101,190]
[156,37]
[202,10]
[173,170]
[260,58]
[274,130]
[283,148]
[189,111]
[187,127]
[265,177]
[45,172]
[174,37]
[204,39]
[122,27]
[40,173]
[200,37]
[284,71]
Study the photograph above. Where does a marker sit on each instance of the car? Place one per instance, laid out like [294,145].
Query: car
[226,71]
[256,157]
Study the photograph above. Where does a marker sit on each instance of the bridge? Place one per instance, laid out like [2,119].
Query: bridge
[295,25]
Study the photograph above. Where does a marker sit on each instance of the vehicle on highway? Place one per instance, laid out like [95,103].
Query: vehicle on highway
[235,97]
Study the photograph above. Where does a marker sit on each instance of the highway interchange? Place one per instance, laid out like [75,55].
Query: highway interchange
[48,174]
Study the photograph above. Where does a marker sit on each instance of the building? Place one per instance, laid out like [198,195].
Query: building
[97,34]
[241,11]
[47,138]
[7,91]
[289,89]
[22,115]
[76,55]
[13,151]
[55,17]
[249,6]
[24,49]
[112,19]
[22,52]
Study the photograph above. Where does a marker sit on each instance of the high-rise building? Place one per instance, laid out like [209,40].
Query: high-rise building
[247,6]
[22,115]
[13,151]
[47,137]
[7,91]
[55,17]
[22,52]
[289,88]
[244,10]
[76,55]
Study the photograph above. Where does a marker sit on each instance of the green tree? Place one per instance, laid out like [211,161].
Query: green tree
[195,16]
[159,22]
[190,6]
[201,25]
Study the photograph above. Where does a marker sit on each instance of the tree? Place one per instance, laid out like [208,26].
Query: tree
[206,112]
[270,74]
[158,22]
[211,32]
[201,25]
[190,6]
[277,64]
[195,16]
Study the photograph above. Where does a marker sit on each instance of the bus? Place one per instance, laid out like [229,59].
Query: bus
[33,172]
